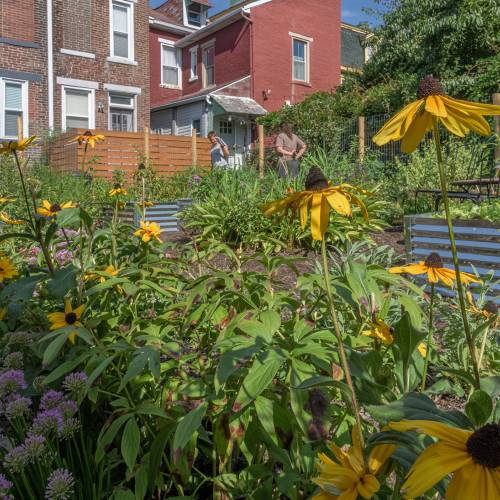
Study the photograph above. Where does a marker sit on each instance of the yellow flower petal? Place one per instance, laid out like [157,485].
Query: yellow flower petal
[368,486]
[413,269]
[435,106]
[475,482]
[451,435]
[416,132]
[379,455]
[339,203]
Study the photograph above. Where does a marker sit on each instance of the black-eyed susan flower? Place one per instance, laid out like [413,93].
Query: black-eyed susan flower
[318,199]
[9,147]
[350,476]
[433,268]
[3,313]
[149,230]
[70,317]
[7,269]
[380,330]
[489,310]
[89,139]
[472,457]
[145,204]
[414,120]
[6,199]
[49,209]
[110,272]
[422,349]
[118,190]
[4,217]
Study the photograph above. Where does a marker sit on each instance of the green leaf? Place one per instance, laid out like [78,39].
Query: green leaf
[68,217]
[61,370]
[135,368]
[265,413]
[258,378]
[141,482]
[63,281]
[156,454]
[188,425]
[479,407]
[491,385]
[107,436]
[20,290]
[131,441]
[54,347]
[97,372]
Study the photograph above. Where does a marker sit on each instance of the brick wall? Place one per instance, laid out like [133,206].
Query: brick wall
[272,49]
[17,25]
[160,95]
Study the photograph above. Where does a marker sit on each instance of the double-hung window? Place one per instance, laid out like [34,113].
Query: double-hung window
[78,108]
[171,75]
[195,14]
[209,65]
[300,60]
[122,29]
[193,63]
[121,112]
[13,108]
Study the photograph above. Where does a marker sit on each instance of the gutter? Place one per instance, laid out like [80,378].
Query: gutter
[209,28]
[181,102]
[50,65]
[175,28]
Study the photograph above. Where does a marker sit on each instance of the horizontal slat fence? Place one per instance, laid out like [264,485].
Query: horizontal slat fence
[123,150]
[478,245]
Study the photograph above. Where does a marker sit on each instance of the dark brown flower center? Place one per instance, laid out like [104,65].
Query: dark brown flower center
[55,207]
[70,318]
[484,446]
[117,186]
[2,269]
[88,133]
[434,260]
[429,86]
[316,180]
[490,307]
[141,166]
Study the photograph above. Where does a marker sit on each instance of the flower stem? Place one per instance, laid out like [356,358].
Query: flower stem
[429,339]
[338,334]
[483,346]
[460,289]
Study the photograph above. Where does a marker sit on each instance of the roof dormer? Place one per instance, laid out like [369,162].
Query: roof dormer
[196,13]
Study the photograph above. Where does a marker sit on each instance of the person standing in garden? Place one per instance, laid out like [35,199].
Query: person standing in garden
[219,151]
[290,149]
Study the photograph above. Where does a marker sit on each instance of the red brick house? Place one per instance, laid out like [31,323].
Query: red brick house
[257,56]
[73,64]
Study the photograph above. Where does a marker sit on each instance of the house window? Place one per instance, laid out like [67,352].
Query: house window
[209,66]
[300,60]
[195,14]
[225,128]
[193,72]
[122,32]
[196,125]
[78,108]
[171,66]
[121,112]
[13,106]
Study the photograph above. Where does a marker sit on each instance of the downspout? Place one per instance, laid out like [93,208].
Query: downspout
[50,66]
[252,75]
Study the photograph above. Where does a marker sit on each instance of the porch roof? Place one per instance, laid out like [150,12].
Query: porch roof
[239,105]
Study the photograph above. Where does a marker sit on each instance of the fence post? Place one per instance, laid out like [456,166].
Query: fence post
[361,137]
[262,151]
[146,143]
[20,131]
[194,150]
[496,100]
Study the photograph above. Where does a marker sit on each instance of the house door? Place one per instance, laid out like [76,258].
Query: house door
[234,134]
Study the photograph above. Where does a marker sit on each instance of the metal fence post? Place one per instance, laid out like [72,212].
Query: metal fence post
[361,138]
[194,150]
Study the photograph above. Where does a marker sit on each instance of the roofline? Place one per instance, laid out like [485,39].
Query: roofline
[355,28]
[209,28]
[175,28]
[202,97]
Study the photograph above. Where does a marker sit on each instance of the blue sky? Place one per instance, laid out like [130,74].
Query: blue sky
[351,9]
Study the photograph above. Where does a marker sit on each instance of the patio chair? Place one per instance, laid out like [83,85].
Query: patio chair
[481,179]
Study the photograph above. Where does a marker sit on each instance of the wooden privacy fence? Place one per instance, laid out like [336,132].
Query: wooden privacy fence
[124,150]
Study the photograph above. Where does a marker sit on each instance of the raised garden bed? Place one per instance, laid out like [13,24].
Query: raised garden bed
[478,244]
[165,214]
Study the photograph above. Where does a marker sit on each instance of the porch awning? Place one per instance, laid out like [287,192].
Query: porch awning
[239,105]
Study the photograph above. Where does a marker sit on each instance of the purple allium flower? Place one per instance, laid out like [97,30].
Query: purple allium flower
[16,459]
[18,407]
[69,427]
[5,486]
[60,485]
[75,382]
[47,422]
[12,381]
[34,447]
[14,361]
[51,399]
[68,408]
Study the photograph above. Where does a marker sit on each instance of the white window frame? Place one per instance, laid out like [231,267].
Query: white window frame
[91,105]
[129,4]
[307,53]
[178,57]
[24,104]
[204,47]
[186,17]
[129,107]
[193,68]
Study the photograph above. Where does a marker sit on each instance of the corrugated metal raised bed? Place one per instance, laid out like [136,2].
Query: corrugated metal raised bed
[165,214]
[478,244]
